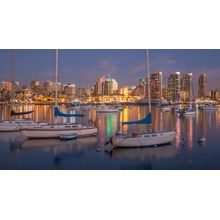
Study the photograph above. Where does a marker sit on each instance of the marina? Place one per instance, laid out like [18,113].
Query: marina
[195,145]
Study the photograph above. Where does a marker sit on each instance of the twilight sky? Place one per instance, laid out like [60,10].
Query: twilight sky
[82,67]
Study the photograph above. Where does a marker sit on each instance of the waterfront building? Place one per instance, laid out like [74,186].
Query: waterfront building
[202,93]
[123,90]
[174,86]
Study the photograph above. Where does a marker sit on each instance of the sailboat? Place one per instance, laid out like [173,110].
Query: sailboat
[55,130]
[143,139]
[16,124]
[107,109]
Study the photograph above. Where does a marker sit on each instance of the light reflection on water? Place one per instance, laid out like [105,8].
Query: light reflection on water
[185,152]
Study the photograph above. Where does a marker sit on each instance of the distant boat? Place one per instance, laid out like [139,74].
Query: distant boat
[107,109]
[189,112]
[209,108]
[143,139]
[166,108]
[86,107]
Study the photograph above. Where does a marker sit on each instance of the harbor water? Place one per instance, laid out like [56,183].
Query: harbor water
[186,152]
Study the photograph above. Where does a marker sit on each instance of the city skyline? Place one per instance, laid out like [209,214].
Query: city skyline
[83,67]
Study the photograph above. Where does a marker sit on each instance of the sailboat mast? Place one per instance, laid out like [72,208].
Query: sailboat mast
[56,93]
[12,75]
[148,79]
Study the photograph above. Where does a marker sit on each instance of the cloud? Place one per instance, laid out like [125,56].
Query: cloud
[107,66]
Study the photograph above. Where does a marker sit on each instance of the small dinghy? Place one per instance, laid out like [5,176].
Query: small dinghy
[68,137]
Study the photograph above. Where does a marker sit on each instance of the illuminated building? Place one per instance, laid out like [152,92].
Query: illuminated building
[186,86]
[110,86]
[174,86]
[50,87]
[6,85]
[123,91]
[70,89]
[99,86]
[155,86]
[36,86]
[166,94]
[202,93]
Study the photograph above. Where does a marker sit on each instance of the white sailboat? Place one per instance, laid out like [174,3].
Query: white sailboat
[144,139]
[209,108]
[107,109]
[18,124]
[55,130]
[166,108]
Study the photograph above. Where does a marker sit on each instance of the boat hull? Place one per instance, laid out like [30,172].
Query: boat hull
[145,140]
[108,111]
[9,128]
[189,113]
[55,133]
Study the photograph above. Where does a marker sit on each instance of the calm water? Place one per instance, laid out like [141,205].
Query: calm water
[185,152]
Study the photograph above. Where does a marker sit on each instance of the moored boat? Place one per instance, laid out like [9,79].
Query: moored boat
[144,139]
[107,109]
[209,108]
[67,137]
[18,124]
[54,131]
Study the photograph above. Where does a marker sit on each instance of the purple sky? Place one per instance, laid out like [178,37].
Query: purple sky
[82,67]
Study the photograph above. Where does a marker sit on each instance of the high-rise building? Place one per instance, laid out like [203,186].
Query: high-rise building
[174,86]
[202,93]
[108,87]
[114,86]
[155,86]
[187,86]
[99,86]
[105,86]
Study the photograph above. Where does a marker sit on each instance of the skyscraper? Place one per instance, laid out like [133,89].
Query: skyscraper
[155,86]
[99,86]
[202,93]
[187,86]
[174,86]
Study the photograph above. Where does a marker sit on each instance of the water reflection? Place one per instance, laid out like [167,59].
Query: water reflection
[145,153]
